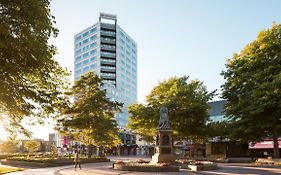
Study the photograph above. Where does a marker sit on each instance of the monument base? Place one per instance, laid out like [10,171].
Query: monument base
[163,158]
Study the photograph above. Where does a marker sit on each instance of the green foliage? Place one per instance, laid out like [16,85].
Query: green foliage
[220,130]
[31,146]
[54,151]
[9,146]
[90,119]
[252,88]
[4,170]
[31,81]
[187,104]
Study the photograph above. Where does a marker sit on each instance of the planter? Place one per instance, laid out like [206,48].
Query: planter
[268,161]
[203,167]
[145,168]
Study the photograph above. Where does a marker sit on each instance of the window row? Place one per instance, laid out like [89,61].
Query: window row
[86,34]
[85,69]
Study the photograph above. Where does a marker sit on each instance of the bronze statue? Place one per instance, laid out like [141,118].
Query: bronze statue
[164,119]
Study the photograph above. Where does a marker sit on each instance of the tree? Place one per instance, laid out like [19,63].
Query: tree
[54,150]
[32,146]
[31,81]
[9,146]
[220,130]
[252,88]
[90,119]
[187,104]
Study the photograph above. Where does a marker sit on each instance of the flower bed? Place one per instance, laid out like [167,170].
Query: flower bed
[269,161]
[197,165]
[144,166]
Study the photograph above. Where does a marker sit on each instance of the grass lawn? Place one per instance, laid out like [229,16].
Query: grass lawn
[4,170]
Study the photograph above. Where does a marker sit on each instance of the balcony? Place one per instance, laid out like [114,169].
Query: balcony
[108,26]
[108,62]
[108,33]
[108,69]
[108,55]
[108,77]
[108,48]
[109,81]
[108,41]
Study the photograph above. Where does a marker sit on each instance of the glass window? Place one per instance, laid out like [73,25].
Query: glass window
[93,51]
[77,58]
[133,51]
[128,40]
[93,37]
[85,41]
[93,58]
[128,53]
[133,45]
[85,68]
[134,63]
[85,54]
[77,65]
[93,30]
[78,51]
[85,34]
[85,48]
[93,44]
[78,71]
[133,70]
[78,38]
[93,65]
[86,61]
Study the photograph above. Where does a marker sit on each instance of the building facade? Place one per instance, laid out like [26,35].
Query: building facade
[105,49]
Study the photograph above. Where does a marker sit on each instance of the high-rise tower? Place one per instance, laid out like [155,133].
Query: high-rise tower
[105,49]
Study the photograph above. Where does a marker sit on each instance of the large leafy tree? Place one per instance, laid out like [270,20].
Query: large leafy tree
[90,119]
[219,129]
[252,88]
[31,81]
[9,146]
[31,146]
[186,101]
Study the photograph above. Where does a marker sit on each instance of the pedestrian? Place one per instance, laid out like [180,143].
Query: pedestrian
[77,159]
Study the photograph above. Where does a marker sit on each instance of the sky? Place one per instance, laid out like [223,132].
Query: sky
[175,37]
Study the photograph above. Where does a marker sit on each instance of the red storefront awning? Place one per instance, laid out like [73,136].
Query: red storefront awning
[263,145]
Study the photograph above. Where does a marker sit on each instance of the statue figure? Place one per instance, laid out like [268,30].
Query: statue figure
[164,119]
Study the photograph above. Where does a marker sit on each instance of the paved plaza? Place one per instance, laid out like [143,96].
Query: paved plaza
[106,169]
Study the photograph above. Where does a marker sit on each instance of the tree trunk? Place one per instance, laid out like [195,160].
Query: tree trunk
[276,153]
[90,151]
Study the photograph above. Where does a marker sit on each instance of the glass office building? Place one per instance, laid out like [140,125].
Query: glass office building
[216,111]
[105,49]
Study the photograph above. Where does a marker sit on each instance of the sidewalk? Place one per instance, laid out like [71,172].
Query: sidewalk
[106,169]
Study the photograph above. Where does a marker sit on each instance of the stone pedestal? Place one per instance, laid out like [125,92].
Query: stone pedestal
[164,151]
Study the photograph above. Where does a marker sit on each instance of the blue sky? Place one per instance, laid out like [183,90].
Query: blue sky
[175,37]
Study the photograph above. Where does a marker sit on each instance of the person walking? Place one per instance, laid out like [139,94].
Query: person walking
[77,159]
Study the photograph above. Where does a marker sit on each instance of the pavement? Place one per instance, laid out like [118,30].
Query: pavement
[106,169]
